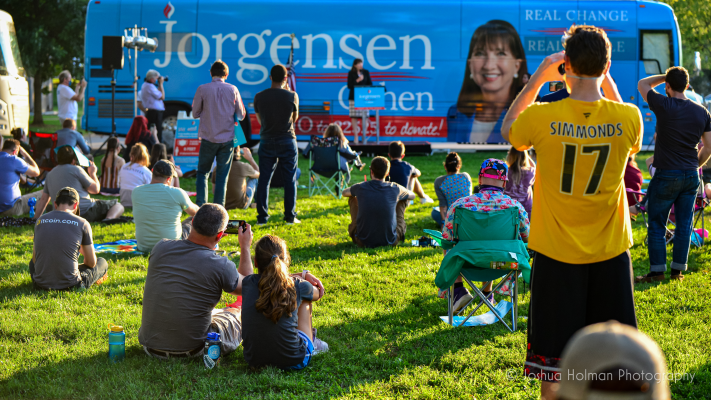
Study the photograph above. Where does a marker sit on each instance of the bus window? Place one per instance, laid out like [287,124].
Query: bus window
[10,61]
[656,51]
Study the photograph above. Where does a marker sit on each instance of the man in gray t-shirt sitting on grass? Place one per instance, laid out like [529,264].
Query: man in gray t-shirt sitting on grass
[60,236]
[377,208]
[185,282]
[69,174]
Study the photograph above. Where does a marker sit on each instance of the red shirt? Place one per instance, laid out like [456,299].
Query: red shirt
[633,180]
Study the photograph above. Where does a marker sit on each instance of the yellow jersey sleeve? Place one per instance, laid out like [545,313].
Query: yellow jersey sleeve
[522,133]
[637,130]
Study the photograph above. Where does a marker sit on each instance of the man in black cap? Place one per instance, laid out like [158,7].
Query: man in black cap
[60,236]
[158,207]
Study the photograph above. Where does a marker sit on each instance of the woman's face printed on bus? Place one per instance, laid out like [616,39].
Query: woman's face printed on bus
[493,67]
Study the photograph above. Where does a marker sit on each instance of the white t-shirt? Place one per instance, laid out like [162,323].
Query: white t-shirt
[68,108]
[134,175]
[481,131]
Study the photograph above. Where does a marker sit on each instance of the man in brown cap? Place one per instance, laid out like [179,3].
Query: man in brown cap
[60,236]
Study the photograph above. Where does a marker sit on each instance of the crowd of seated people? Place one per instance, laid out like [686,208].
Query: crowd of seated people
[274,322]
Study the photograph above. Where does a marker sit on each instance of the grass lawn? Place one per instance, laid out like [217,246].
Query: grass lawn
[380,317]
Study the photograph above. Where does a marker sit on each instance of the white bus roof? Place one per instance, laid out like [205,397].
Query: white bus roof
[5,16]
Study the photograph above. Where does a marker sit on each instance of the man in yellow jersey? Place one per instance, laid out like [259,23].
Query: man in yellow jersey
[582,271]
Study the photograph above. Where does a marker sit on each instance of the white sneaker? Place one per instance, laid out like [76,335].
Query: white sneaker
[320,346]
[295,221]
[426,199]
[260,223]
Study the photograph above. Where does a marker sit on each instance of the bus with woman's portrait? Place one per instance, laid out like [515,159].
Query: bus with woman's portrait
[494,73]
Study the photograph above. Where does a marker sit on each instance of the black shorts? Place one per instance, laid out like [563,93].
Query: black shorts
[567,297]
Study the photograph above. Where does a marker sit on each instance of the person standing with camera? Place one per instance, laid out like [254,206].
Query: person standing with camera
[583,143]
[152,96]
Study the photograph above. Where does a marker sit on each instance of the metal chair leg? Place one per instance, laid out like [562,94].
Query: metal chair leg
[514,300]
[450,308]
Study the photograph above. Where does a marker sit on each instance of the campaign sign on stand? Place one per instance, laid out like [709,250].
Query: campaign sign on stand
[370,97]
[186,148]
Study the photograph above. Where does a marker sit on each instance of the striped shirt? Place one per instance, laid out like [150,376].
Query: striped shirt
[109,176]
[218,105]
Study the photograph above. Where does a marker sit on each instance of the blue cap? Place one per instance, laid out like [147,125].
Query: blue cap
[500,167]
[213,336]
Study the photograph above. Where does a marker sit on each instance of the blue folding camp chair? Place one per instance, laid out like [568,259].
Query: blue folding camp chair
[325,168]
[486,246]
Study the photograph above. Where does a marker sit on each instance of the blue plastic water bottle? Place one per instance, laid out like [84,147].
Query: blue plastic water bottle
[117,343]
[31,202]
[213,348]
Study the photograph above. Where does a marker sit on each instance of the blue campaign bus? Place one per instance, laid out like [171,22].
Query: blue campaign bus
[451,67]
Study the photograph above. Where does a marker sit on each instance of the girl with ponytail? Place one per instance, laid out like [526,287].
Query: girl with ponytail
[276,310]
[110,167]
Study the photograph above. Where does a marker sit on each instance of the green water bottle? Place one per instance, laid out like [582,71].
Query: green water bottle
[117,343]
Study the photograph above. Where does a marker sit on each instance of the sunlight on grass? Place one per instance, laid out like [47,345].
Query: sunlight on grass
[380,317]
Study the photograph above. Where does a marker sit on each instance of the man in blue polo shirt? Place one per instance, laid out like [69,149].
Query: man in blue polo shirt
[11,167]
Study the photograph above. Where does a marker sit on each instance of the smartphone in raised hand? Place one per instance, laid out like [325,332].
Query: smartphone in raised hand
[234,225]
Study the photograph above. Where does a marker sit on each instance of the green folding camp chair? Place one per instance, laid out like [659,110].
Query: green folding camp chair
[325,172]
[486,246]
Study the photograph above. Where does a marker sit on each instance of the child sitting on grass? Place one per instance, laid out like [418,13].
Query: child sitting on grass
[276,310]
[522,173]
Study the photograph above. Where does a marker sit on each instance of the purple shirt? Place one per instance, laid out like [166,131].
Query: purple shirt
[522,192]
[151,97]
[218,105]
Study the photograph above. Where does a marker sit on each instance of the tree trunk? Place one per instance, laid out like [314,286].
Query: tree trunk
[38,119]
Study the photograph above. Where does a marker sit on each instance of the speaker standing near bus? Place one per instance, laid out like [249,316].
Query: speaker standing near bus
[67,98]
[218,105]
[357,76]
[152,96]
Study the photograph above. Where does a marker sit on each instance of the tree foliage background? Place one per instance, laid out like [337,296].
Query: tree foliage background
[51,38]
[694,18]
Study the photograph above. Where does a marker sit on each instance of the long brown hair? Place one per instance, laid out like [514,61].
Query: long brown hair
[517,161]
[277,293]
[158,152]
[485,35]
[111,146]
[335,130]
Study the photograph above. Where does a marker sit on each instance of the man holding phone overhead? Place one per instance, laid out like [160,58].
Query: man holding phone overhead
[582,232]
[157,208]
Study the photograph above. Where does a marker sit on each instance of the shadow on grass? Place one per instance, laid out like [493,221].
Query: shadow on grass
[363,351]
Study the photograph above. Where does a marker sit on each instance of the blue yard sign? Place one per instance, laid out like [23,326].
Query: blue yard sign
[370,97]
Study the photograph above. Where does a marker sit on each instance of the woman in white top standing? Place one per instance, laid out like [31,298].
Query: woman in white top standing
[135,173]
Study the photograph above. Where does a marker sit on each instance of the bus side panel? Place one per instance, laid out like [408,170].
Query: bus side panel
[100,21]
[409,49]
[620,24]
[655,18]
